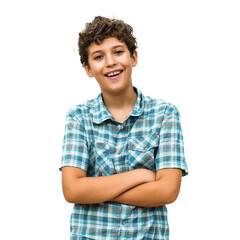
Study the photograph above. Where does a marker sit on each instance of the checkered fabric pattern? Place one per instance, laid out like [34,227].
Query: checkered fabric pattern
[150,138]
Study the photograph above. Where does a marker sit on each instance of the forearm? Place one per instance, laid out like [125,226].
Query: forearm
[89,190]
[151,194]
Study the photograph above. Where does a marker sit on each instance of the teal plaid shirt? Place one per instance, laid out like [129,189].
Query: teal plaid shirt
[149,138]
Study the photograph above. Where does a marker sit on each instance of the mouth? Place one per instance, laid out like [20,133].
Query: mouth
[114,74]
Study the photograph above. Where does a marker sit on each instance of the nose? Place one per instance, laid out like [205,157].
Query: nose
[110,60]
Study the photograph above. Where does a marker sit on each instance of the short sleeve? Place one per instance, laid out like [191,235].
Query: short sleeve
[75,149]
[170,153]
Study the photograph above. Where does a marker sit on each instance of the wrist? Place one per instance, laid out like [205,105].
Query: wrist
[145,175]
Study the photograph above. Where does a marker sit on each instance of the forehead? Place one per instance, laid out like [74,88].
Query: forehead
[105,45]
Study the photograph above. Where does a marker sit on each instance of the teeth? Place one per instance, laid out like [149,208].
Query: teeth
[113,73]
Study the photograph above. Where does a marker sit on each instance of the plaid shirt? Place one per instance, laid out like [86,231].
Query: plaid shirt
[150,138]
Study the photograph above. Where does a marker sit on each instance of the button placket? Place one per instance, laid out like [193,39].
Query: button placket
[124,222]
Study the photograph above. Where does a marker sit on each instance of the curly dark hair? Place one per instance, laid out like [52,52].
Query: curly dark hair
[100,29]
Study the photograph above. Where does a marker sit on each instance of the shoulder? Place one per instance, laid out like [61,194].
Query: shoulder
[160,106]
[82,111]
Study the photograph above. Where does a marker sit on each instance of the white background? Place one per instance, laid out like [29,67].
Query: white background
[189,55]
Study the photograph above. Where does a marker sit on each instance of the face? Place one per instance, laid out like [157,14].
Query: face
[111,64]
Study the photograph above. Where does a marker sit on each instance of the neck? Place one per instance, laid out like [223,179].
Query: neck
[124,100]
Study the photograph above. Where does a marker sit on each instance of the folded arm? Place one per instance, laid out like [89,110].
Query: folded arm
[78,188]
[160,192]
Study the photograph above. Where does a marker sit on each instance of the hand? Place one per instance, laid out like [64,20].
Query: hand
[147,175]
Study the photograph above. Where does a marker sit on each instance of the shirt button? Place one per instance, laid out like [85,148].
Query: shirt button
[145,145]
[123,222]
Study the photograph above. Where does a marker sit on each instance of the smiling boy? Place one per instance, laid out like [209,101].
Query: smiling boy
[123,155]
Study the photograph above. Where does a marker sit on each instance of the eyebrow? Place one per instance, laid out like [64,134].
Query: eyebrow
[116,46]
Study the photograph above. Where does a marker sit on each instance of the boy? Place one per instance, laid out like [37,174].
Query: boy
[123,155]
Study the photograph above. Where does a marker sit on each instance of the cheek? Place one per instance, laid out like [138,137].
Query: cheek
[97,68]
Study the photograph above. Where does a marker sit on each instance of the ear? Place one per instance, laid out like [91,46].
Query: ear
[88,70]
[134,58]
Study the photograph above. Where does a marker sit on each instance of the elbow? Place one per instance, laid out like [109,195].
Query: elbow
[171,197]
[73,195]
[68,196]
[73,190]
[69,199]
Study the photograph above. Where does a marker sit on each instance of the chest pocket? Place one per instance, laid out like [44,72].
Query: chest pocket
[101,159]
[141,152]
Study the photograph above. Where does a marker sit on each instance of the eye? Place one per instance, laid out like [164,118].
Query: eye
[98,57]
[118,52]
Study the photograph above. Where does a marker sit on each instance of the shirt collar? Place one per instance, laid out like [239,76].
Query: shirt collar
[101,112]
[138,108]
